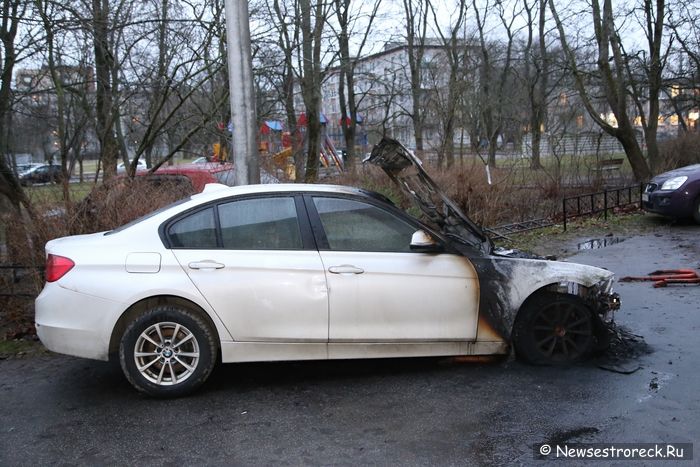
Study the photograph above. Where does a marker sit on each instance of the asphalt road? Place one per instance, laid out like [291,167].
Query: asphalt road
[62,410]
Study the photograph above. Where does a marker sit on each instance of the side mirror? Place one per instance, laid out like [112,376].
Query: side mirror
[421,242]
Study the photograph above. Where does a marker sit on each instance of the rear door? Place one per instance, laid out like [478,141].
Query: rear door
[255,262]
[380,290]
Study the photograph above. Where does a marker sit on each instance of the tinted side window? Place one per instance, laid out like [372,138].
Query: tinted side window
[197,230]
[356,226]
[260,224]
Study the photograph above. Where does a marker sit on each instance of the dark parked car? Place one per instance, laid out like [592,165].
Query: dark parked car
[674,194]
[45,173]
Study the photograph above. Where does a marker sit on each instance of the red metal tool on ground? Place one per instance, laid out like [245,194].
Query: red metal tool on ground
[665,277]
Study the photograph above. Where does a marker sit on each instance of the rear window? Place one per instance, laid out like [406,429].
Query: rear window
[197,230]
[260,224]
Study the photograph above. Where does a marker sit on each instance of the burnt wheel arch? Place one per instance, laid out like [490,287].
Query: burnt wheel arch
[554,328]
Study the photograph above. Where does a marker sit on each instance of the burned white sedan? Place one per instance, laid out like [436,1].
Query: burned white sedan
[301,272]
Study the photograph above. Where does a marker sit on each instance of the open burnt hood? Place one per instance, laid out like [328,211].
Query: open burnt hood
[406,170]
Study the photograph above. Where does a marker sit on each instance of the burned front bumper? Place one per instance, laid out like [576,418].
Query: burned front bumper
[603,301]
[609,303]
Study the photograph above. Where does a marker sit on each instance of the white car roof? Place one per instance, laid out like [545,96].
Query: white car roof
[214,191]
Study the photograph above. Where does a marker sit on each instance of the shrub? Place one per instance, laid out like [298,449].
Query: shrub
[123,200]
[500,202]
[679,152]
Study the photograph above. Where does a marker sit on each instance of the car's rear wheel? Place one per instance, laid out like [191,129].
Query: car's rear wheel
[168,351]
[553,329]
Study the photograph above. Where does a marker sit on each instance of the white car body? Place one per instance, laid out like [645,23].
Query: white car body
[299,272]
[278,305]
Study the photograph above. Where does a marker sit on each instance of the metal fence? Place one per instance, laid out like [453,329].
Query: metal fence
[600,202]
[19,281]
[576,206]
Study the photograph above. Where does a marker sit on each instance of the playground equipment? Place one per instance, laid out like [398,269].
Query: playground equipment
[329,155]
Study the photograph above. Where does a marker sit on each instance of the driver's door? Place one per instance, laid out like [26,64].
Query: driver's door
[380,290]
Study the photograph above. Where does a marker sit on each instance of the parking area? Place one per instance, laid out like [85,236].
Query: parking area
[57,409]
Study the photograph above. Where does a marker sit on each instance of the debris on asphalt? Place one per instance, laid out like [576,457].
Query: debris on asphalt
[624,347]
[664,277]
[654,384]
[565,436]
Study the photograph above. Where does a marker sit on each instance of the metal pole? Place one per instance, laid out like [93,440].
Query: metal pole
[242,93]
[605,204]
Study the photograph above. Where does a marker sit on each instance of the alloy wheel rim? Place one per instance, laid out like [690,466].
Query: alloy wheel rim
[562,331]
[166,353]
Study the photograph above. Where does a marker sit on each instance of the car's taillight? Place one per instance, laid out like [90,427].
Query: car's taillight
[57,267]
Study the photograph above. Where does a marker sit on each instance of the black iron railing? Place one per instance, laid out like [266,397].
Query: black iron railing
[18,281]
[601,202]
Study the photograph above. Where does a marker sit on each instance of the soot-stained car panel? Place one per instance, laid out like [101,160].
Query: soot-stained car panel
[506,282]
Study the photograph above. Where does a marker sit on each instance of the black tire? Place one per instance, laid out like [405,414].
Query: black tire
[553,329]
[183,359]
[696,210]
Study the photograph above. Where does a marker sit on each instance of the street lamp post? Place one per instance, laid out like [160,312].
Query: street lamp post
[242,95]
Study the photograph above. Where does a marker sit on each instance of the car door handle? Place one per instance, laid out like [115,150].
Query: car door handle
[345,269]
[206,264]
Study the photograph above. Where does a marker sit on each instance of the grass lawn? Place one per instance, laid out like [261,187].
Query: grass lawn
[52,194]
[555,241]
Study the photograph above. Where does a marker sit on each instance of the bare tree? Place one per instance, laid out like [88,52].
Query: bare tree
[288,40]
[455,50]
[313,18]
[169,82]
[537,68]
[349,102]
[416,16]
[648,69]
[69,86]
[16,46]
[103,33]
[683,74]
[496,71]
[613,79]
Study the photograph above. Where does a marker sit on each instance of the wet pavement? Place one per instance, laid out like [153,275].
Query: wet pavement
[62,410]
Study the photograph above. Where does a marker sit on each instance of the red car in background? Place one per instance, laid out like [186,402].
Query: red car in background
[123,199]
[199,174]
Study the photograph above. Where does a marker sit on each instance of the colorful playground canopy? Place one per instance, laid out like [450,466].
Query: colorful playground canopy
[347,120]
[270,125]
[303,121]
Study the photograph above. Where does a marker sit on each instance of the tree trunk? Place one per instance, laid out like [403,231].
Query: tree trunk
[614,85]
[104,64]
[311,81]
[416,27]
